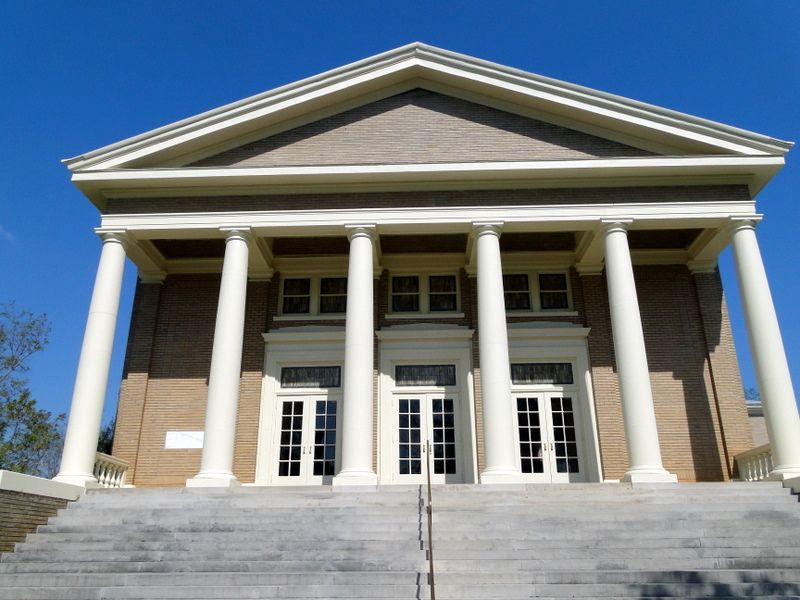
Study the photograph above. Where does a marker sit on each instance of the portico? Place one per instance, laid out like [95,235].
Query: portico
[494,308]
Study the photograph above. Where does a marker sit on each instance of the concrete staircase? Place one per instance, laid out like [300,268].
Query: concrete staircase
[578,541]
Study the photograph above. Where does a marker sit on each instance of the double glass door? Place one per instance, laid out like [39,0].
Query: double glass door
[548,437]
[426,432]
[306,444]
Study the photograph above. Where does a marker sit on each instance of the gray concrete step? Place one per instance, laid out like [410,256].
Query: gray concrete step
[585,540]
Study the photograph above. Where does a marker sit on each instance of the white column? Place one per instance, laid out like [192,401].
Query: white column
[216,468]
[498,418]
[769,358]
[644,453]
[91,380]
[359,337]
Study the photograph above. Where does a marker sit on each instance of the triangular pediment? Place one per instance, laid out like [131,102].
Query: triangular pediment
[419,126]
[597,115]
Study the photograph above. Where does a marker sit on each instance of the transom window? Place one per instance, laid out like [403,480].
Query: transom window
[526,292]
[314,296]
[425,375]
[423,293]
[311,377]
[541,373]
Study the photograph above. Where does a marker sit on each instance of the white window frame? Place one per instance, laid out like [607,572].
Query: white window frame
[314,301]
[424,296]
[534,291]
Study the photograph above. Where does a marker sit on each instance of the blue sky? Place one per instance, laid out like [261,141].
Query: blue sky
[76,76]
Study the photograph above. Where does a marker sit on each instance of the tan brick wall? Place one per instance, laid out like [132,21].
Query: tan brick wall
[689,431]
[177,386]
[693,431]
[136,374]
[724,365]
[608,411]
[702,193]
[419,127]
[165,385]
[21,514]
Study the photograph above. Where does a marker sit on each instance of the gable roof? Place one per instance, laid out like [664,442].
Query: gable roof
[692,146]
[420,61]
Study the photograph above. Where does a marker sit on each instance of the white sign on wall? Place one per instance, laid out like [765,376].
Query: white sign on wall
[183,439]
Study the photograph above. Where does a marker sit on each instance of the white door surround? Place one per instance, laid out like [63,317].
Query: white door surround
[304,347]
[558,343]
[431,345]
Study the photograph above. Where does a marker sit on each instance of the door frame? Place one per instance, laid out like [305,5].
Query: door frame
[433,344]
[562,342]
[296,348]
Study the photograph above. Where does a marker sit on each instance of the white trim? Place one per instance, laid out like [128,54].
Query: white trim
[428,333]
[755,171]
[292,336]
[413,62]
[29,484]
[290,348]
[426,347]
[567,344]
[436,219]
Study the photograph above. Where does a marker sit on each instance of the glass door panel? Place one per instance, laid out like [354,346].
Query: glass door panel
[291,439]
[324,435]
[409,427]
[565,450]
[422,420]
[547,437]
[306,441]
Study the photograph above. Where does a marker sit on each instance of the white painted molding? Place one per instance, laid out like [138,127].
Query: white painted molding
[28,484]
[532,332]
[302,337]
[428,333]
[755,171]
[455,219]
[416,61]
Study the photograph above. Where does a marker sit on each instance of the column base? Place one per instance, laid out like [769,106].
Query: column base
[654,475]
[499,476]
[781,473]
[355,478]
[788,476]
[87,482]
[213,480]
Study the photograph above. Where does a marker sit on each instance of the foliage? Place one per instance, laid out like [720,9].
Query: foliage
[752,395]
[105,442]
[30,438]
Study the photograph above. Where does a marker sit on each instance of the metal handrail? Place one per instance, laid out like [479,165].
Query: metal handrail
[429,510]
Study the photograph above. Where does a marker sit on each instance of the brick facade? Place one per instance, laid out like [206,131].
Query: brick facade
[21,514]
[419,127]
[698,398]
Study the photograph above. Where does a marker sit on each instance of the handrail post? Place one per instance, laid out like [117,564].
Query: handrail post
[430,521]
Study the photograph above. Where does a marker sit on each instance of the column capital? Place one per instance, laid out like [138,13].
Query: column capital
[119,236]
[361,230]
[615,225]
[740,223]
[233,233]
[480,228]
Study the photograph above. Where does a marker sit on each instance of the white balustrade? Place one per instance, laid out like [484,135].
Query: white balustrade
[110,470]
[755,464]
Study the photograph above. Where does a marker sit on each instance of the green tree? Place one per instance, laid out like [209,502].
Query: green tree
[105,443]
[30,437]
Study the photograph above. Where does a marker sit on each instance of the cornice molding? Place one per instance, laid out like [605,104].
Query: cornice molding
[415,61]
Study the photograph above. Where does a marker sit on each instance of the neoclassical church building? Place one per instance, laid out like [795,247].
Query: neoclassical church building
[426,258]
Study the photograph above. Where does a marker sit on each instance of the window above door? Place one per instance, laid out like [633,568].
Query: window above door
[537,291]
[424,294]
[313,296]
